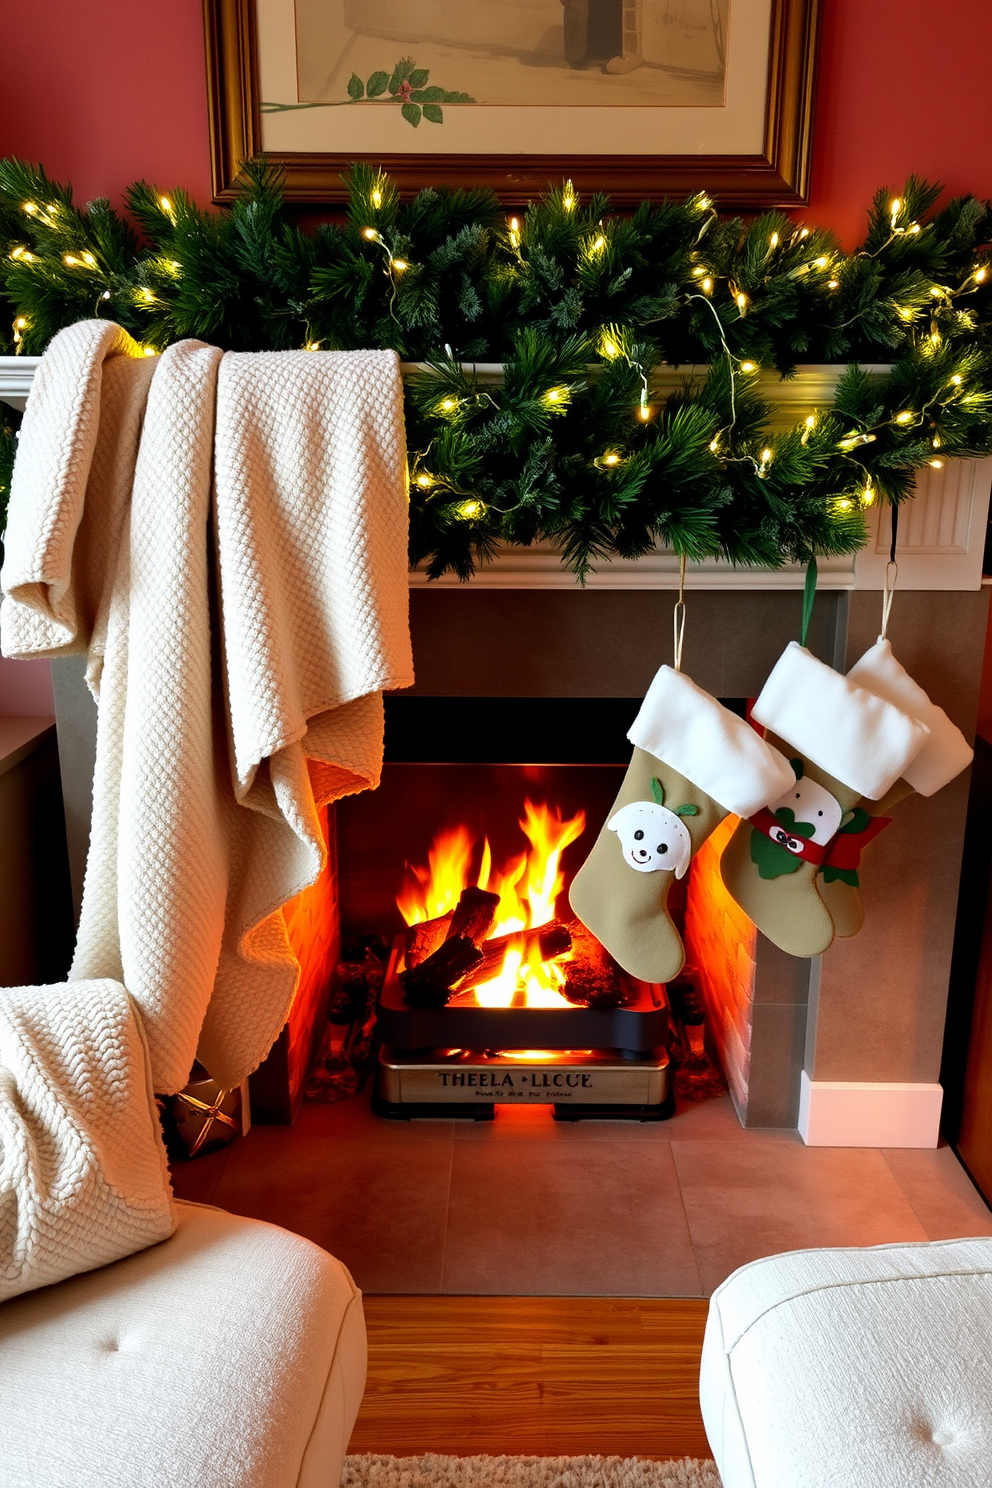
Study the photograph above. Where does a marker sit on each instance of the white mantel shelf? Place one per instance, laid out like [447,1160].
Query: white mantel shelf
[941,531]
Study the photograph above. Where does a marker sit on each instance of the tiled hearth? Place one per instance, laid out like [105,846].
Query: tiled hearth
[526,1206]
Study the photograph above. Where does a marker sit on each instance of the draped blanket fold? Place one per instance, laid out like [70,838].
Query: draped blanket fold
[226,537]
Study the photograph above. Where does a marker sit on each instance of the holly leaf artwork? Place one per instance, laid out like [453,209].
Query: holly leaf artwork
[407,84]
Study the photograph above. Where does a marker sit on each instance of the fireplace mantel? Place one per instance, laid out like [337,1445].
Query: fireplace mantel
[941,535]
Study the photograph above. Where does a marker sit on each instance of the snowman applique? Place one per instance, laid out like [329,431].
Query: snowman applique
[653,838]
[791,830]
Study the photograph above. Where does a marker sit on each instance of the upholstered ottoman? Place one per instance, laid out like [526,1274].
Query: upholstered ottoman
[230,1356]
[853,1368]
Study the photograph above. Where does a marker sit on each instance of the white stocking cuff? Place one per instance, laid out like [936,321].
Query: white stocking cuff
[855,735]
[690,731]
[947,752]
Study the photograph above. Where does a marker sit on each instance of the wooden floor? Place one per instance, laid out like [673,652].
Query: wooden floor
[532,1376]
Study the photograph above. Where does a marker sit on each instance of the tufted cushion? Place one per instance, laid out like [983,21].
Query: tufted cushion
[232,1355]
[853,1367]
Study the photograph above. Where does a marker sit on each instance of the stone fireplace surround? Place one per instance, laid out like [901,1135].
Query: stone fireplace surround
[849,1044]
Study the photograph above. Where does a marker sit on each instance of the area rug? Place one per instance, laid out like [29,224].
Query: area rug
[434,1471]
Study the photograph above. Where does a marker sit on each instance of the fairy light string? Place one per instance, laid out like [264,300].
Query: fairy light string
[583,444]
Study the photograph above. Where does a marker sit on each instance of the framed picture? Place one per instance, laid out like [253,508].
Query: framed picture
[639,98]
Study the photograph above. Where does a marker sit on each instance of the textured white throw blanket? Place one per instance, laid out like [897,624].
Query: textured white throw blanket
[83,1179]
[226,537]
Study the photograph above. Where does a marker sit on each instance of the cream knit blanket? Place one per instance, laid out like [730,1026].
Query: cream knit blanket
[83,1179]
[226,537]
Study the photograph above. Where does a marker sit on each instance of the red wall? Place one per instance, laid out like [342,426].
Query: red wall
[102,93]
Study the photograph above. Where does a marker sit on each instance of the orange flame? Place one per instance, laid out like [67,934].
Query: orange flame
[528,887]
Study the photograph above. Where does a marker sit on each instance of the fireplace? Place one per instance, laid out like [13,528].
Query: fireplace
[860,1027]
[494,992]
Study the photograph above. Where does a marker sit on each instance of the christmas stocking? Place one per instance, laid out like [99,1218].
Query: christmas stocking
[844,743]
[694,762]
[944,755]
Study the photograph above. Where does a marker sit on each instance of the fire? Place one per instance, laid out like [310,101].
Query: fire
[528,887]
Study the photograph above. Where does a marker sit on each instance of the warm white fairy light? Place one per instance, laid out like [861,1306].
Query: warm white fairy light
[749,366]
[906,417]
[448,405]
[166,205]
[149,350]
[833,284]
[424,481]
[598,244]
[568,201]
[957,379]
[698,272]
[377,198]
[399,264]
[469,510]
[980,275]
[370,233]
[741,301]
[936,464]
[707,285]
[612,458]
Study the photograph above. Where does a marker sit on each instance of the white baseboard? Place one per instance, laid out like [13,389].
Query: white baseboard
[854,1113]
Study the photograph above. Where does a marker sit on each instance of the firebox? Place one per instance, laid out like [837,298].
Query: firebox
[494,994]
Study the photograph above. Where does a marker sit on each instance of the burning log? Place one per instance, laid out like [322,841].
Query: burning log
[472,918]
[474,915]
[592,977]
[553,940]
[424,938]
[430,983]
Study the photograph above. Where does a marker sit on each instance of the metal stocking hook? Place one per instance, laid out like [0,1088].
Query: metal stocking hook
[891,573]
[678,618]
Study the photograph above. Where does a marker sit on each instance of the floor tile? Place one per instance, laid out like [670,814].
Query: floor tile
[714,1118]
[195,1179]
[378,1204]
[944,1199]
[745,1200]
[553,1218]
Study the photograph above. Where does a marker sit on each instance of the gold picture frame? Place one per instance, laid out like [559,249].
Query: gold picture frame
[774,175]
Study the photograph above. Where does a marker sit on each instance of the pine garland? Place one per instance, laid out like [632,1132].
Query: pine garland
[576,446]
